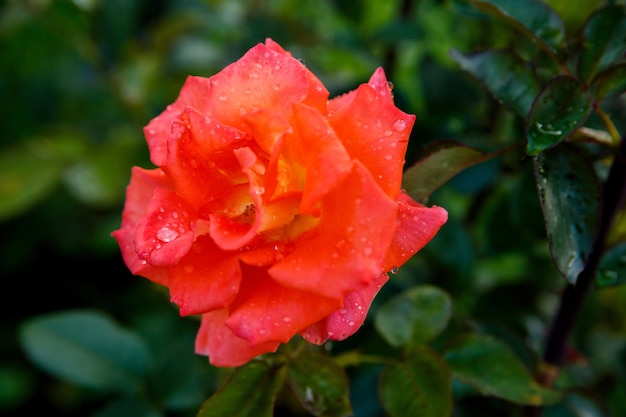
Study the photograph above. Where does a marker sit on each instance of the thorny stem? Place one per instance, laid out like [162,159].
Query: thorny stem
[613,197]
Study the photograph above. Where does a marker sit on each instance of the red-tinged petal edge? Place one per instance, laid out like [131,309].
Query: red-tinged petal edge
[193,94]
[416,226]
[138,194]
[222,346]
[346,321]
[165,233]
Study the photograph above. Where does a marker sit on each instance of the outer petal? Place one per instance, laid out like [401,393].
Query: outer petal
[263,78]
[265,311]
[206,279]
[222,347]
[165,233]
[326,161]
[379,142]
[193,94]
[138,193]
[354,233]
[347,320]
[416,226]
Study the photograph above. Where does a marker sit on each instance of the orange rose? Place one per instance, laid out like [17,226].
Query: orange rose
[273,211]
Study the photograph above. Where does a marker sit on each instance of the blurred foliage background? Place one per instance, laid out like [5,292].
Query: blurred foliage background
[80,78]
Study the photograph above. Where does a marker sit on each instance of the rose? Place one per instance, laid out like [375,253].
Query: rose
[273,211]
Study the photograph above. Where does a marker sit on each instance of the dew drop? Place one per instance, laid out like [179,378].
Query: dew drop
[286,319]
[166,235]
[388,157]
[388,133]
[222,97]
[399,125]
[394,270]
[367,251]
[351,323]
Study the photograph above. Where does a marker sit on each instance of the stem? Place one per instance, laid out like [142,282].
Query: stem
[613,196]
[610,126]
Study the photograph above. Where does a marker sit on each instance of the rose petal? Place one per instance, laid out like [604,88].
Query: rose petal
[193,94]
[165,233]
[379,142]
[265,311]
[206,279]
[200,159]
[220,344]
[263,79]
[326,160]
[351,241]
[138,194]
[416,226]
[347,320]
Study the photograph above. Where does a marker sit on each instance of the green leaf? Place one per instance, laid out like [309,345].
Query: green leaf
[250,392]
[419,386]
[612,269]
[510,79]
[128,407]
[87,348]
[604,41]
[611,82]
[439,162]
[490,366]
[560,108]
[569,193]
[532,17]
[320,385]
[414,317]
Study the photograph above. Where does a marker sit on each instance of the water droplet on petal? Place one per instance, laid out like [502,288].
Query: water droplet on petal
[394,270]
[167,235]
[399,125]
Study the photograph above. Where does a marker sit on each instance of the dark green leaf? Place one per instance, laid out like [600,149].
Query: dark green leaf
[441,161]
[250,392]
[414,317]
[491,366]
[612,269]
[532,17]
[320,385]
[559,109]
[86,348]
[569,193]
[128,407]
[419,386]
[604,41]
[510,79]
[611,82]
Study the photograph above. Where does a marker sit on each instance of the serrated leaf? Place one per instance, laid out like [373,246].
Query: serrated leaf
[612,269]
[604,41]
[490,366]
[419,386]
[87,348]
[509,78]
[438,162]
[611,82]
[560,108]
[569,193]
[320,385]
[414,317]
[249,392]
[533,17]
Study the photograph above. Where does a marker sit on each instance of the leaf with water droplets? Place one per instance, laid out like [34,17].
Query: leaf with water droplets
[612,269]
[560,108]
[509,78]
[437,163]
[532,17]
[603,43]
[570,193]
[414,317]
[418,386]
[250,392]
[320,385]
